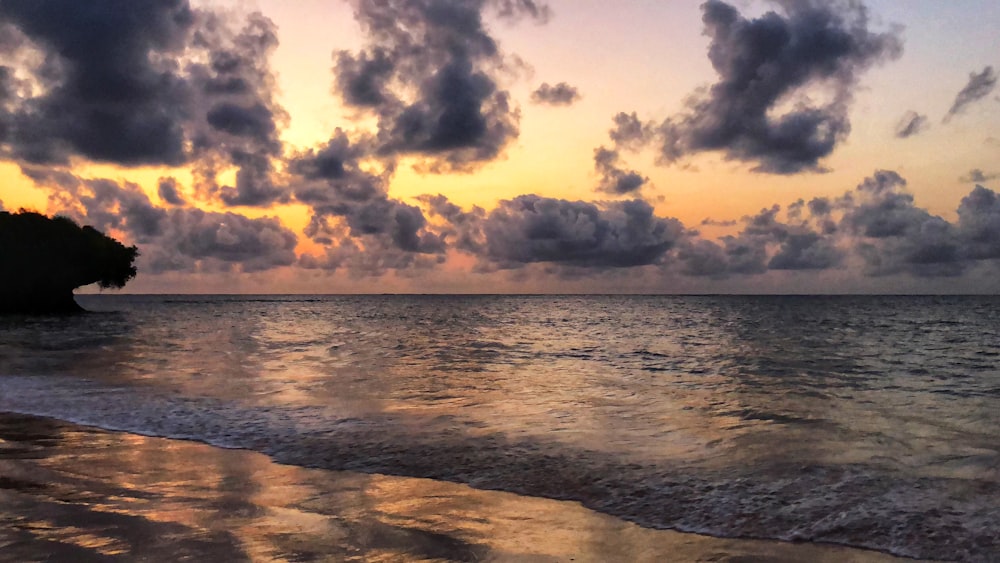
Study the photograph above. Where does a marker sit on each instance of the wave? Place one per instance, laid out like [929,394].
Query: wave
[860,505]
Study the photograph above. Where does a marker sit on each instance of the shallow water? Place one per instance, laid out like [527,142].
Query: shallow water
[70,493]
[869,421]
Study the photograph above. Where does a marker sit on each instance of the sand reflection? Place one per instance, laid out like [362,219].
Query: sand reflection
[72,493]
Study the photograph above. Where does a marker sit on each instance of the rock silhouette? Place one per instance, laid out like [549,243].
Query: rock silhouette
[42,260]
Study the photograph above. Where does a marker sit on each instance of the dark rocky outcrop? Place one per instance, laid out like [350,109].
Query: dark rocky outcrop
[42,260]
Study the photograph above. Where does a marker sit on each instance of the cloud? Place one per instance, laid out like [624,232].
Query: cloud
[705,258]
[111,91]
[353,214]
[708,222]
[875,228]
[169,192]
[462,229]
[142,82]
[561,94]
[371,237]
[176,239]
[977,176]
[979,86]
[333,172]
[765,243]
[614,179]
[979,224]
[516,9]
[631,133]
[196,239]
[235,93]
[911,124]
[806,251]
[531,229]
[763,108]
[429,74]
[240,121]
[401,223]
[369,262]
[896,236]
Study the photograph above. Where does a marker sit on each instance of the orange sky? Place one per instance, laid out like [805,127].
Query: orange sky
[635,56]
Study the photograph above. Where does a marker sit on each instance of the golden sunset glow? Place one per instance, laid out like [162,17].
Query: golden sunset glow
[699,153]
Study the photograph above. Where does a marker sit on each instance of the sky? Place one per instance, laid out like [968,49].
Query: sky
[514,146]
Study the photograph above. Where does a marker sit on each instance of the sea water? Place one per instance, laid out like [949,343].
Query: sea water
[866,421]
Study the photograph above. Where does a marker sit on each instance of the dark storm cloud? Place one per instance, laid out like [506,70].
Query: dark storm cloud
[977,176]
[112,91]
[561,94]
[176,239]
[143,82]
[530,229]
[614,179]
[169,192]
[757,111]
[430,76]
[911,124]
[979,86]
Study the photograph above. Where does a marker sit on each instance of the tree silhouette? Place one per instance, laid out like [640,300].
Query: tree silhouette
[42,260]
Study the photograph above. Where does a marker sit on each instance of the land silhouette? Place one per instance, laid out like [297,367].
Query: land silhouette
[43,259]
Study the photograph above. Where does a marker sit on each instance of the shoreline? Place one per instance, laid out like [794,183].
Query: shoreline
[86,494]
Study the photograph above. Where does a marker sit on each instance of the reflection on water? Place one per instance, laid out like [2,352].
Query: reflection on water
[862,420]
[70,493]
[910,382]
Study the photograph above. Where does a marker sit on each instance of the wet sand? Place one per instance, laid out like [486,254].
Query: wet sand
[72,493]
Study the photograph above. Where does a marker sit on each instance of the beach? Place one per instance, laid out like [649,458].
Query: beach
[74,493]
[796,420]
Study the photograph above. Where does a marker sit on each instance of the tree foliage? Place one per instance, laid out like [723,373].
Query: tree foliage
[42,260]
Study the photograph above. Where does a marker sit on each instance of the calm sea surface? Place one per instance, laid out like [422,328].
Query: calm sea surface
[869,421]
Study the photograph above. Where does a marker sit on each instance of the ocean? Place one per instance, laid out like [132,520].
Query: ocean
[864,421]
